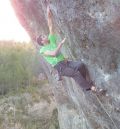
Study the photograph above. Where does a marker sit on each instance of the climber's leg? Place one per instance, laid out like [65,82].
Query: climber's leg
[65,70]
[81,67]
[77,77]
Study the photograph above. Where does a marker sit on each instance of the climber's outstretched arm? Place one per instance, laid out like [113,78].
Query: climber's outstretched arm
[49,18]
[56,51]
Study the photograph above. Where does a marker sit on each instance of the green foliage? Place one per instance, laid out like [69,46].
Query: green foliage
[19,64]
[21,88]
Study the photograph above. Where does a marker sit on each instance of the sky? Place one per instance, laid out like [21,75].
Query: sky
[10,28]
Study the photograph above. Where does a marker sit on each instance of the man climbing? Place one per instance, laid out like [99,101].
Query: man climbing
[51,53]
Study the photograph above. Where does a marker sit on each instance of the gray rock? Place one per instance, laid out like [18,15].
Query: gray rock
[92,28]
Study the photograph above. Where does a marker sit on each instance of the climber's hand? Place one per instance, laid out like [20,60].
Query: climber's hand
[49,11]
[63,41]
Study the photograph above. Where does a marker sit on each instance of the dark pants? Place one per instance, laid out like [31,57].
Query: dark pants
[77,70]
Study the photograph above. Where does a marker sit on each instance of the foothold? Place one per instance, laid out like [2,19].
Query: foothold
[87,46]
[113,66]
[107,95]
[117,109]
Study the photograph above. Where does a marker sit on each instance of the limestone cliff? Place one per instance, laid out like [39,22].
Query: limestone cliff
[92,28]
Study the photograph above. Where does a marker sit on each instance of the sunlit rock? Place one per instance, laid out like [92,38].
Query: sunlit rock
[92,28]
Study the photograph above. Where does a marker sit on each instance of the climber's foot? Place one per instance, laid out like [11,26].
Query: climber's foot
[98,91]
[93,88]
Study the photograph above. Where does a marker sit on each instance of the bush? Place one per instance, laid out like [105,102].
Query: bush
[19,63]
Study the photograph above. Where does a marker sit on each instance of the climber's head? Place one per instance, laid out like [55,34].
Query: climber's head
[42,40]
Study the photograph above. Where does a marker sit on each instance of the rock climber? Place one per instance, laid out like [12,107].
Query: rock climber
[51,53]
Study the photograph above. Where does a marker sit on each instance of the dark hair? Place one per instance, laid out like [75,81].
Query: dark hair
[39,40]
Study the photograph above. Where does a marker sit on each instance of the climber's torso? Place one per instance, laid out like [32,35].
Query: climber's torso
[51,46]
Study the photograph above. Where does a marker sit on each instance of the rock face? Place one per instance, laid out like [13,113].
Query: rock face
[92,28]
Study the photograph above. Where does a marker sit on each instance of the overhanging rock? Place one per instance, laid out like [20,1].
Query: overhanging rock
[92,28]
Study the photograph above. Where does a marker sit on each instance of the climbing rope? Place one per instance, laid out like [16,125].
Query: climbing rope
[105,111]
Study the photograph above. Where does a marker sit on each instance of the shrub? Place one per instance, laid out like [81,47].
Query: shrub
[19,63]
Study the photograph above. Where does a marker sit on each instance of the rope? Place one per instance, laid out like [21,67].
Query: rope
[106,111]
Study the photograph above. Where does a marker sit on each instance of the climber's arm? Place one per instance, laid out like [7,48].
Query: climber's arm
[56,51]
[50,22]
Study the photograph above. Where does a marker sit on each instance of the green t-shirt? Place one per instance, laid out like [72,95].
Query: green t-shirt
[51,46]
